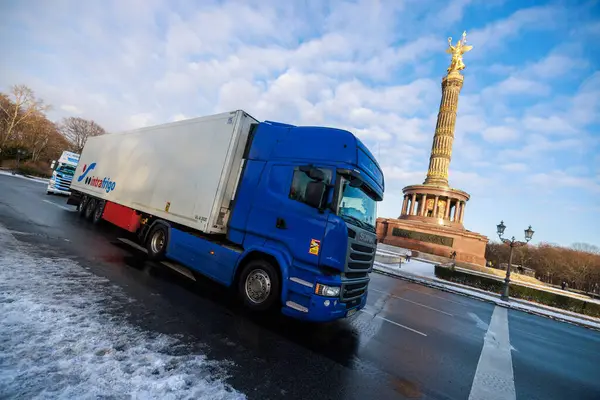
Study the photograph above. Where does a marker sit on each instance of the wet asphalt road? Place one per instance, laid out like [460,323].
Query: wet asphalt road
[411,341]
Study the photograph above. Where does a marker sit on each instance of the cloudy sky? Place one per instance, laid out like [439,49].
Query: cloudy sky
[527,142]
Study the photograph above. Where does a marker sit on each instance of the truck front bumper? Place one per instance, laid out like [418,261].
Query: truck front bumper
[323,309]
[58,191]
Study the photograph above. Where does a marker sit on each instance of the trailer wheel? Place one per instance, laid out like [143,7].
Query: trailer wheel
[97,216]
[156,242]
[89,208]
[82,206]
[258,285]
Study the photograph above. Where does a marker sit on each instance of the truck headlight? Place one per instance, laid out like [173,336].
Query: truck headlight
[329,291]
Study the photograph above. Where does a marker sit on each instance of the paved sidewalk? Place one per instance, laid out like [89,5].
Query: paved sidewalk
[421,272]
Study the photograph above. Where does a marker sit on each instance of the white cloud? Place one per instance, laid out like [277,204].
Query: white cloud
[496,134]
[552,125]
[179,117]
[514,167]
[518,86]
[140,120]
[559,178]
[499,33]
[71,109]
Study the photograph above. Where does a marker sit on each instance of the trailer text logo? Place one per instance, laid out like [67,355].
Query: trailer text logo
[86,169]
[105,183]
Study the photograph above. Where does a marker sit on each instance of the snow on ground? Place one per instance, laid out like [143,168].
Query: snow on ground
[420,268]
[9,173]
[516,304]
[58,339]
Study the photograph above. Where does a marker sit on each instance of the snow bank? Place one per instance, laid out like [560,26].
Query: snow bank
[58,339]
[516,304]
[9,173]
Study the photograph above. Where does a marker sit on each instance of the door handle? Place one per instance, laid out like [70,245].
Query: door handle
[280,224]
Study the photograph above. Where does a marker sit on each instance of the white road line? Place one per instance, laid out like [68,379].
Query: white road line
[414,302]
[429,294]
[59,206]
[394,323]
[494,379]
[480,323]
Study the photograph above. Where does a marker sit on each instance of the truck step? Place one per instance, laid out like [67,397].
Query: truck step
[182,270]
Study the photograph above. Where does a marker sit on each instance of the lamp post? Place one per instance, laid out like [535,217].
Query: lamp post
[512,243]
[19,154]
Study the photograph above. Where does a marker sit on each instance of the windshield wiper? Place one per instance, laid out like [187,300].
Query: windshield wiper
[359,222]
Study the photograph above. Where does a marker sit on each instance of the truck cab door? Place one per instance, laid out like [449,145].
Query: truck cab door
[282,207]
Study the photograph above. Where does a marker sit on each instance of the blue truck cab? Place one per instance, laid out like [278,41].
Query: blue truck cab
[306,199]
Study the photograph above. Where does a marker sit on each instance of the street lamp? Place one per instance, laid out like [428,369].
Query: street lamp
[512,243]
[19,154]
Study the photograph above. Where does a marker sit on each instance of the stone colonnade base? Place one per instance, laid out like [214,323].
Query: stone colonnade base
[433,239]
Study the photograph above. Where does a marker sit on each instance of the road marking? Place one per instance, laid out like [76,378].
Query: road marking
[494,379]
[59,206]
[480,323]
[414,302]
[394,323]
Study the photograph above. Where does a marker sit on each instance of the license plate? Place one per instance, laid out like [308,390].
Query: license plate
[351,312]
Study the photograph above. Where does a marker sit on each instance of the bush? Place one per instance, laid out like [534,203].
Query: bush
[40,168]
[520,292]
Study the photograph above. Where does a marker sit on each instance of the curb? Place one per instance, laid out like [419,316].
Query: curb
[448,287]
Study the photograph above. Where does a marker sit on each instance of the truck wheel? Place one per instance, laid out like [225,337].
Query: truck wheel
[156,242]
[259,285]
[97,216]
[89,208]
[82,206]
[48,192]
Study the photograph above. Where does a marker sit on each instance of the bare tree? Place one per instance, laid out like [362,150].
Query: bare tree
[17,110]
[586,248]
[38,134]
[78,130]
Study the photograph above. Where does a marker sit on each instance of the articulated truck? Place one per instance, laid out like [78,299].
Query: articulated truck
[283,214]
[62,173]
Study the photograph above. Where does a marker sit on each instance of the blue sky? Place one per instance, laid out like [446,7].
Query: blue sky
[527,144]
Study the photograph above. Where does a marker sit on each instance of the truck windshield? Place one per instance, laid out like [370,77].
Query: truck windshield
[66,169]
[356,207]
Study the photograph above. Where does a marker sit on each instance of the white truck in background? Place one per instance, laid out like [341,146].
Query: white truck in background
[62,174]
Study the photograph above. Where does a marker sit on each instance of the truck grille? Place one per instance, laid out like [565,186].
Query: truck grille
[353,290]
[360,257]
[359,262]
[62,183]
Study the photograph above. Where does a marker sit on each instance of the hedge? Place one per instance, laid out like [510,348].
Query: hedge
[39,169]
[520,292]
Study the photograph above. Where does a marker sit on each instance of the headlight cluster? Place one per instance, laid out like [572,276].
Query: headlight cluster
[329,291]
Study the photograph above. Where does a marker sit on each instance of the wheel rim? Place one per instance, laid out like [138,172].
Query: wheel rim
[258,286]
[157,242]
[90,208]
[83,205]
[98,211]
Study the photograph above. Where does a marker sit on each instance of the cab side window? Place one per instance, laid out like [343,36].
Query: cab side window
[301,180]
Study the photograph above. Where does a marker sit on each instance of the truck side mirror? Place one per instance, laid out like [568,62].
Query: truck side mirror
[315,194]
[52,164]
[313,173]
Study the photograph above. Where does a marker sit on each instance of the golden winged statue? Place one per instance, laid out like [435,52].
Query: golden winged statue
[457,53]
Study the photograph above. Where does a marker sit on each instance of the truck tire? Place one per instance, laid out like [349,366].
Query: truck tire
[89,208]
[82,206]
[49,193]
[157,241]
[97,216]
[259,285]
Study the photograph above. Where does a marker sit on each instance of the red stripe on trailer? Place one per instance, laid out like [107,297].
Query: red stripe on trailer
[121,216]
